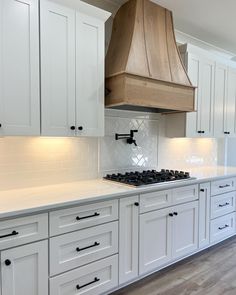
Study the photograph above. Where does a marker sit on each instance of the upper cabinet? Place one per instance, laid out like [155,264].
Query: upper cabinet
[72,69]
[201,70]
[230,104]
[215,100]
[57,69]
[19,68]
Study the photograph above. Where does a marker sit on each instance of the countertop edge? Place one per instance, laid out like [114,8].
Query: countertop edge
[104,197]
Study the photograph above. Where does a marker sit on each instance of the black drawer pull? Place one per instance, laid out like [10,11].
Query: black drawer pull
[171,214]
[175,213]
[223,205]
[14,233]
[90,283]
[223,186]
[89,216]
[223,227]
[91,246]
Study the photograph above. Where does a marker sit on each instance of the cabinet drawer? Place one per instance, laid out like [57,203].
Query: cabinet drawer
[93,279]
[82,247]
[185,194]
[155,200]
[223,186]
[72,219]
[222,204]
[222,227]
[24,230]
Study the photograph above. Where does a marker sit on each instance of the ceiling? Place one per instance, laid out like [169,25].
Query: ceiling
[212,21]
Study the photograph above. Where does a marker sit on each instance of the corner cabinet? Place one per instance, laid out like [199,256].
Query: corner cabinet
[201,71]
[72,67]
[19,68]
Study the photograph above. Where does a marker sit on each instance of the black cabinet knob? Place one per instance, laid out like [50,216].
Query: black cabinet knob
[0,125]
[175,213]
[202,190]
[136,204]
[72,127]
[203,131]
[199,131]
[7,262]
[80,128]
[171,214]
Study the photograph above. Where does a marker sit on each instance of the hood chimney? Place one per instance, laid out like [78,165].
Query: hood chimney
[144,70]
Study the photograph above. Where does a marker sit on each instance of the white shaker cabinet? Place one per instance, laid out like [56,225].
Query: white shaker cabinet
[72,46]
[204,214]
[220,109]
[90,75]
[155,240]
[225,101]
[128,239]
[19,68]
[184,229]
[57,69]
[230,108]
[201,71]
[25,270]
[166,235]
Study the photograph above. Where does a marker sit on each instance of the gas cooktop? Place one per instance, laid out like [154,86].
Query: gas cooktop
[148,177]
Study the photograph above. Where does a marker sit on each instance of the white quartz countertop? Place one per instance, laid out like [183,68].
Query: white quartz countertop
[35,199]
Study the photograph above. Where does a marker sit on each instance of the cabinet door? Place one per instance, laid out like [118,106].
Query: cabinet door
[19,68]
[230,117]
[154,240]
[193,118]
[221,80]
[90,76]
[57,69]
[25,270]
[128,239]
[206,100]
[184,229]
[204,215]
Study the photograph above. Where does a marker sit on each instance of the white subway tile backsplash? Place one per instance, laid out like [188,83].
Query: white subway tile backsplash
[34,161]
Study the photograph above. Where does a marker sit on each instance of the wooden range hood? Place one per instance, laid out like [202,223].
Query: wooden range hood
[144,70]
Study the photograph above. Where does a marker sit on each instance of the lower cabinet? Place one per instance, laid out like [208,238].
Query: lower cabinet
[93,279]
[222,227]
[204,214]
[25,270]
[167,234]
[155,240]
[128,239]
[184,229]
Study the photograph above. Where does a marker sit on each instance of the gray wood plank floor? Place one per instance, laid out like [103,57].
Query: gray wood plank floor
[211,272]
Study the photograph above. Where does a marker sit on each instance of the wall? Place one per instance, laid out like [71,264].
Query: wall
[38,161]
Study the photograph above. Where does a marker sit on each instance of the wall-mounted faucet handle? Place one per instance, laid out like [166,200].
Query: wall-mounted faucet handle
[131,141]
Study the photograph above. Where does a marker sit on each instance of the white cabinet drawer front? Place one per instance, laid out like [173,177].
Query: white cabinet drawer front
[82,247]
[67,220]
[20,231]
[223,186]
[222,227]
[185,194]
[222,204]
[93,279]
[155,200]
